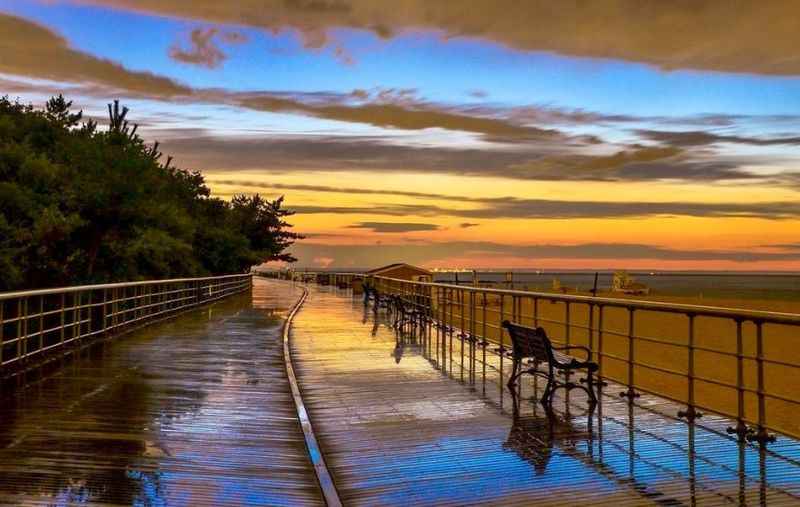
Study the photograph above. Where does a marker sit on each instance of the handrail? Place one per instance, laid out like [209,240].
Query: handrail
[636,304]
[35,323]
[116,285]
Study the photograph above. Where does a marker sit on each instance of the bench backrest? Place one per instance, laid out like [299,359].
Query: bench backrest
[529,342]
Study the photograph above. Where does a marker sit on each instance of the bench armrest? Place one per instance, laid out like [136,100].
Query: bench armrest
[576,347]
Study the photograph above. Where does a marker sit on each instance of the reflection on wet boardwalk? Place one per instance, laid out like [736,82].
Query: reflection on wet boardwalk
[196,411]
[397,430]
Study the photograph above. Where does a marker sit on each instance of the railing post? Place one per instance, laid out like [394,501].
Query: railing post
[114,316]
[22,328]
[89,324]
[761,435]
[2,327]
[41,323]
[462,330]
[590,332]
[631,393]
[443,328]
[600,351]
[472,337]
[76,317]
[567,339]
[691,412]
[741,429]
[484,340]
[105,300]
[502,350]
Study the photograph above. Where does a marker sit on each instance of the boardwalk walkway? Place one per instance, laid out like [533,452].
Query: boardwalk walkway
[398,431]
[196,411]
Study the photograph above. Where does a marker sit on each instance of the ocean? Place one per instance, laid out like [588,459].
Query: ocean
[713,285]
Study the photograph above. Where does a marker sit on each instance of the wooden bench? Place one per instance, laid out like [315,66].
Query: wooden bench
[378,300]
[406,314]
[533,343]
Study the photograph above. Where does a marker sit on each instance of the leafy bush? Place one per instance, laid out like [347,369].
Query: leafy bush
[79,205]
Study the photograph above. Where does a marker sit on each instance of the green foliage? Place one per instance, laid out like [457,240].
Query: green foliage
[79,205]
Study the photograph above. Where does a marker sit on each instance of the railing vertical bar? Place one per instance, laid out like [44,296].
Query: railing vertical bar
[501,350]
[22,340]
[41,322]
[2,331]
[472,337]
[462,330]
[741,429]
[484,339]
[762,435]
[62,318]
[451,327]
[631,392]
[691,412]
[600,350]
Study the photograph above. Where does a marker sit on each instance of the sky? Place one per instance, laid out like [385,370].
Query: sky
[635,134]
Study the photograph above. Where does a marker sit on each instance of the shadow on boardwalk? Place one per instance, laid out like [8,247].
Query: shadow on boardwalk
[402,424]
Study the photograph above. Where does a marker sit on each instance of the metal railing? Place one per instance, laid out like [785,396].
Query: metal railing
[336,279]
[35,322]
[738,363]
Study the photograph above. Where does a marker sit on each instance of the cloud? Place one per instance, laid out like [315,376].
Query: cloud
[358,255]
[467,225]
[48,56]
[595,168]
[703,138]
[538,161]
[203,50]
[704,34]
[395,227]
[517,208]
[396,210]
[522,208]
[338,190]
[27,49]
[401,115]
[791,247]
[345,153]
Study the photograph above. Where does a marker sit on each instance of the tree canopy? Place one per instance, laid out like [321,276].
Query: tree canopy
[83,205]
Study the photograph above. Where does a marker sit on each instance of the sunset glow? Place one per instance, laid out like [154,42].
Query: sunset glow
[518,135]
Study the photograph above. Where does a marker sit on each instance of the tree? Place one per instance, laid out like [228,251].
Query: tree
[79,205]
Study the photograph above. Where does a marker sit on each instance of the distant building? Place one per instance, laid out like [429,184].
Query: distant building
[626,284]
[403,272]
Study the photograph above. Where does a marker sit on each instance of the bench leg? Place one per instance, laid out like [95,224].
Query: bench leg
[590,388]
[548,390]
[515,373]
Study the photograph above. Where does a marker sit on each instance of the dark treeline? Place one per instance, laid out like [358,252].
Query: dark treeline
[79,204]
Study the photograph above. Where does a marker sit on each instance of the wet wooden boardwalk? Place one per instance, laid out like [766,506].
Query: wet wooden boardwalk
[396,430]
[196,411]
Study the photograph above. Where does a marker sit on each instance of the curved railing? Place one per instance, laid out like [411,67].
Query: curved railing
[35,322]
